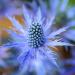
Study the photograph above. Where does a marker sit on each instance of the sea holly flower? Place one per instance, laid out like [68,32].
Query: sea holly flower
[36,39]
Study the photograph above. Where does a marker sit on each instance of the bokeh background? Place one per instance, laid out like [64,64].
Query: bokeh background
[65,16]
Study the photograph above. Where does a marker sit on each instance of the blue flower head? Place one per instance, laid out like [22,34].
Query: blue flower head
[36,38]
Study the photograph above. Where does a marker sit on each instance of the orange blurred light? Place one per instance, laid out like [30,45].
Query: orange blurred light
[6,24]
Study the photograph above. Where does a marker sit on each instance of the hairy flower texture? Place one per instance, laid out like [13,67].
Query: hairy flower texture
[36,39]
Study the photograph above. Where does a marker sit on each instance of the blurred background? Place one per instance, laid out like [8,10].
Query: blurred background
[65,15]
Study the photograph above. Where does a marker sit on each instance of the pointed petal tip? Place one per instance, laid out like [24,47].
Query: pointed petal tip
[27,16]
[55,43]
[38,16]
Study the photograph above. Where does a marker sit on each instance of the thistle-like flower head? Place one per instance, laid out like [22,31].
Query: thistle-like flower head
[36,39]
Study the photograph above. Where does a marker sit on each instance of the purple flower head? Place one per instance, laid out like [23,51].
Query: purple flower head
[35,37]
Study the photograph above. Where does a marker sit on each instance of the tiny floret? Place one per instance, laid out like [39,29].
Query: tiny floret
[36,36]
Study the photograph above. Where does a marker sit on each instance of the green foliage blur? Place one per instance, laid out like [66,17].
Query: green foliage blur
[72,2]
